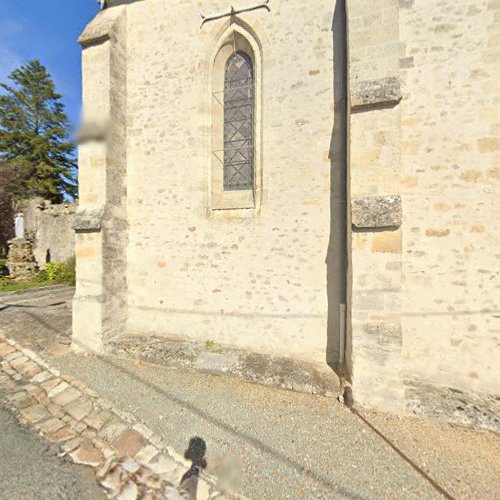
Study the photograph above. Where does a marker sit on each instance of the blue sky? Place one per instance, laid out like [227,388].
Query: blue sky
[47,30]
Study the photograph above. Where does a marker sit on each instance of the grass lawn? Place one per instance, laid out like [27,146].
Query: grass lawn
[62,273]
[2,262]
[6,286]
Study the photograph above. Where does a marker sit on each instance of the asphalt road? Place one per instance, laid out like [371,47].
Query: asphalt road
[31,469]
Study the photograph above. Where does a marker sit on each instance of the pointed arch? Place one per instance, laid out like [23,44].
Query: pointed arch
[236,122]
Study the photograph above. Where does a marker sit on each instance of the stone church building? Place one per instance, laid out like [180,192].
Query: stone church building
[309,184]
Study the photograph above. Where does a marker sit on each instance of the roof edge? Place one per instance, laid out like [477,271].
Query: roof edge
[98,30]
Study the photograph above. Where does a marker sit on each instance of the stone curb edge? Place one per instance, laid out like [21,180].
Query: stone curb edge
[129,459]
[34,291]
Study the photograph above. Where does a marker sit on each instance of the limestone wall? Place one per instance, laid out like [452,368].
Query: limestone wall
[425,127]
[450,161]
[50,229]
[254,278]
[376,242]
[415,190]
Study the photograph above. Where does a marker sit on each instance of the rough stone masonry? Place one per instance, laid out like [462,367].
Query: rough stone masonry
[129,459]
[366,241]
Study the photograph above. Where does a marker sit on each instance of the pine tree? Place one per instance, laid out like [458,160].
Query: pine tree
[8,184]
[34,134]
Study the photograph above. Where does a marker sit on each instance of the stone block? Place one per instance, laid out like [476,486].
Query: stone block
[79,408]
[35,413]
[462,407]
[41,377]
[376,212]
[57,389]
[88,219]
[92,131]
[62,435]
[375,93]
[387,242]
[215,363]
[112,430]
[97,419]
[128,443]
[21,261]
[51,426]
[98,30]
[87,454]
[67,396]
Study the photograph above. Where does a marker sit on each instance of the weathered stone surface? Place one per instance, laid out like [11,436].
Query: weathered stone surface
[112,430]
[62,435]
[376,212]
[163,465]
[35,413]
[21,261]
[129,492]
[50,384]
[79,408]
[97,419]
[69,425]
[51,426]
[375,93]
[93,131]
[461,407]
[143,430]
[30,369]
[21,399]
[49,229]
[215,363]
[57,389]
[67,396]
[131,466]
[384,329]
[98,30]
[41,377]
[87,454]
[88,220]
[12,356]
[16,363]
[5,350]
[128,443]
[112,480]
[146,454]
[277,371]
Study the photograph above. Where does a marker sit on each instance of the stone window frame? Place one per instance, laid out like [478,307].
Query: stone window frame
[235,38]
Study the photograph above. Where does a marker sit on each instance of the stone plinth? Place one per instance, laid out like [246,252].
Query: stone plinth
[21,261]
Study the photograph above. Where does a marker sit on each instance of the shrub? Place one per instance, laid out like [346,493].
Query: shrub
[59,272]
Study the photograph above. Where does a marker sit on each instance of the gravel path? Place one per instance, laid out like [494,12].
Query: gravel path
[281,444]
[291,445]
[30,469]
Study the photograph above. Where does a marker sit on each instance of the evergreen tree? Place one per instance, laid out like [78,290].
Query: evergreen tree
[34,135]
[9,190]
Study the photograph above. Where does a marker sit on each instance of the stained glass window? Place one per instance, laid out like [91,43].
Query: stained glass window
[238,123]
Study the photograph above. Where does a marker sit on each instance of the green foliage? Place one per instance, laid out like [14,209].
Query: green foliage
[59,272]
[34,135]
[210,345]
[54,273]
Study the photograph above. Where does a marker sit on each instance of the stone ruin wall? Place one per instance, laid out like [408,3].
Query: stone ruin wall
[49,228]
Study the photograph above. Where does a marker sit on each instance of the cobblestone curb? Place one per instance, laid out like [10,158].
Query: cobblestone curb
[129,459]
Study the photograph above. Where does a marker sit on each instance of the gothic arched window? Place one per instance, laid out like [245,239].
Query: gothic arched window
[239,122]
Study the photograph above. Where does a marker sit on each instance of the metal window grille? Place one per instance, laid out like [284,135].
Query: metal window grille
[238,123]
